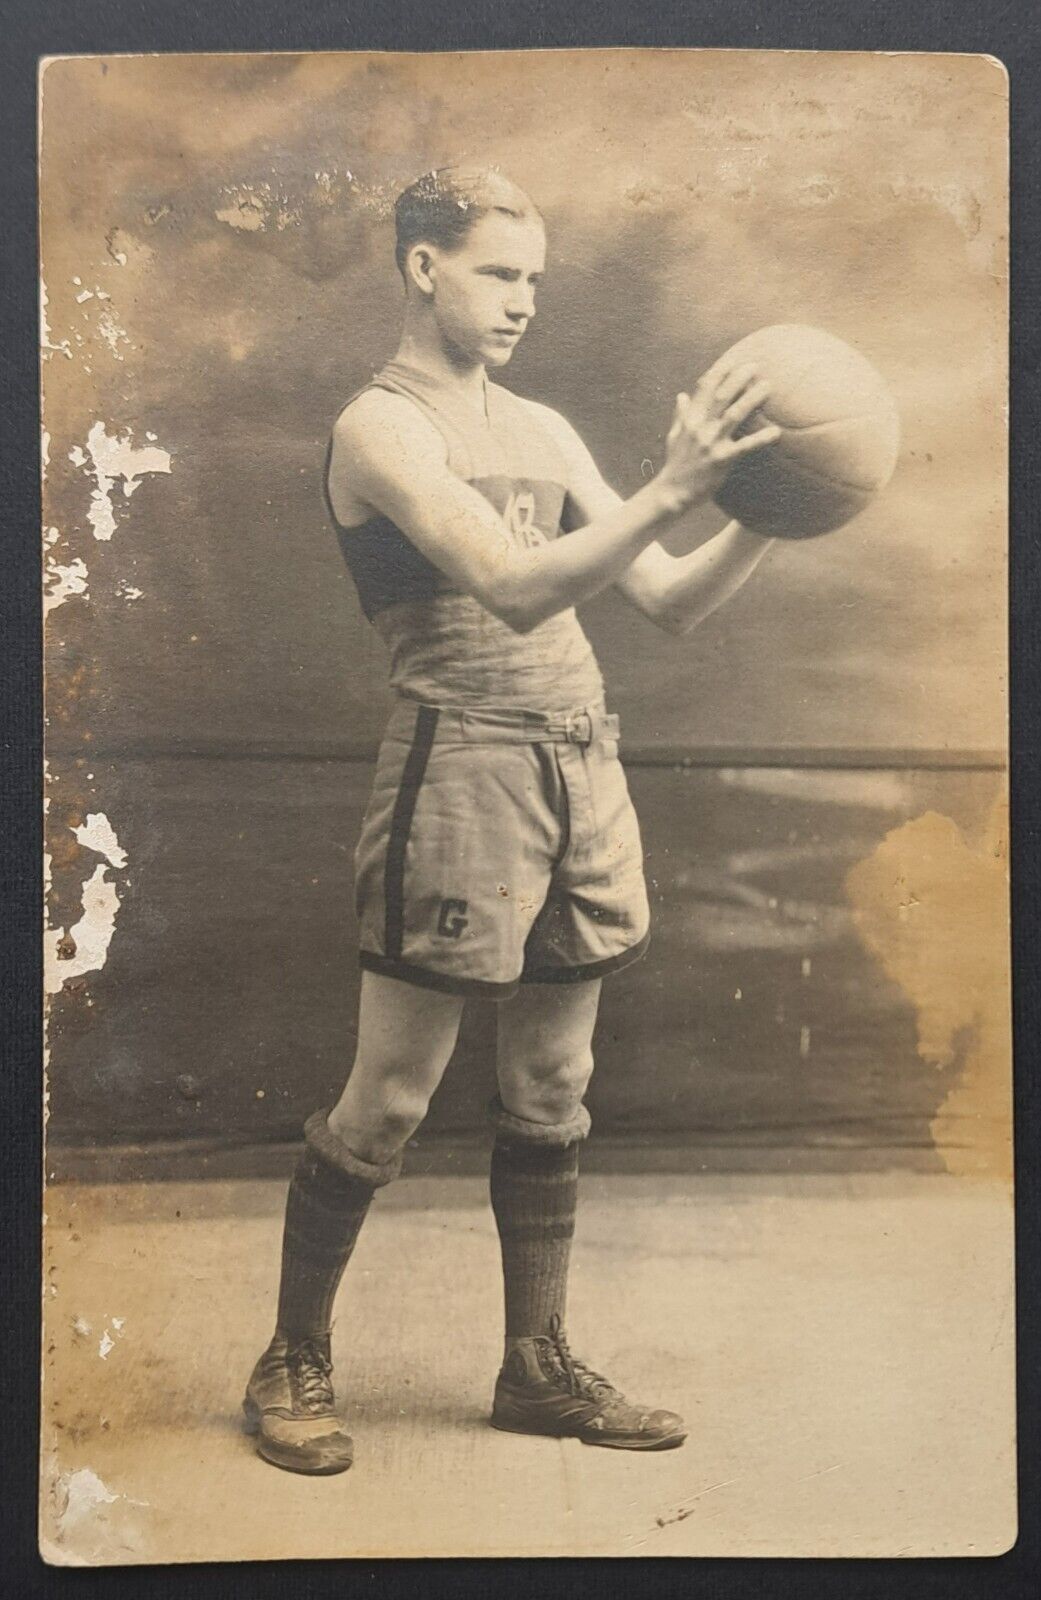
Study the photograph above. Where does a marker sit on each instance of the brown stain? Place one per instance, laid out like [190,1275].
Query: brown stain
[933,908]
[65,693]
[66,850]
[80,1388]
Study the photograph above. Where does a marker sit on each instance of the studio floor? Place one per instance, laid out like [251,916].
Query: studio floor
[840,1345]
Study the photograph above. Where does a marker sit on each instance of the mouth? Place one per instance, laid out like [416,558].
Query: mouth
[507,333]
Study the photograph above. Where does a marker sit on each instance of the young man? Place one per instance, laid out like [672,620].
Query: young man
[500,855]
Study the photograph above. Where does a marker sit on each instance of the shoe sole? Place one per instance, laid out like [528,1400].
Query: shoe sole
[270,1451]
[671,1441]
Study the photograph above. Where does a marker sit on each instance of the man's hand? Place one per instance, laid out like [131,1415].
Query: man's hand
[701,448]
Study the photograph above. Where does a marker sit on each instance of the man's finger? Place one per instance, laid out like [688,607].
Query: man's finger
[752,441]
[714,375]
[733,385]
[748,401]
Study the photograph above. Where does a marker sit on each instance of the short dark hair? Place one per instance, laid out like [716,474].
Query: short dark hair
[443,205]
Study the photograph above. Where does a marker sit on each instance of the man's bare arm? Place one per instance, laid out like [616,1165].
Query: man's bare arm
[393,460]
[676,592]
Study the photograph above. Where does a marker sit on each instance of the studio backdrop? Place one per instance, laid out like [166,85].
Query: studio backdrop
[817,768]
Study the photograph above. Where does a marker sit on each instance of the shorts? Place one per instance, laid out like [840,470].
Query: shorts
[499,847]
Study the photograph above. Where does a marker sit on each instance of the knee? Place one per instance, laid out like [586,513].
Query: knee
[377,1127]
[398,1121]
[549,1090]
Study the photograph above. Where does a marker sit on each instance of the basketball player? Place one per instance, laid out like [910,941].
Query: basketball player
[499,855]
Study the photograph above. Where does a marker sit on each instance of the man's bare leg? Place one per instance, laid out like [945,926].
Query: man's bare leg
[405,1038]
[545,1049]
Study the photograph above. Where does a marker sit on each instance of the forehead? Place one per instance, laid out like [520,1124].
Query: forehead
[508,241]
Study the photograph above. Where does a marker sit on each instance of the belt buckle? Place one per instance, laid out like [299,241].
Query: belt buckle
[578,729]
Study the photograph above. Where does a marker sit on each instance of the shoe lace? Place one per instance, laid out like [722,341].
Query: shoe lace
[581,1379]
[311,1369]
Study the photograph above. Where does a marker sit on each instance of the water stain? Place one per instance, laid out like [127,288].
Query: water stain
[933,908]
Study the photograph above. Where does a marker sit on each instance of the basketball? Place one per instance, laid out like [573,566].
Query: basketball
[840,438]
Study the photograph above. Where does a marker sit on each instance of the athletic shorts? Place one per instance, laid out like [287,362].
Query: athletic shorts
[499,847]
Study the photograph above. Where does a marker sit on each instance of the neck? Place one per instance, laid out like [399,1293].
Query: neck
[423,346]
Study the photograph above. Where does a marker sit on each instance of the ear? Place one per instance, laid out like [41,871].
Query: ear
[419,268]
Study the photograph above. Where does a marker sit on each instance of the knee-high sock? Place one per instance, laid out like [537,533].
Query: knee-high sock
[534,1190]
[329,1196]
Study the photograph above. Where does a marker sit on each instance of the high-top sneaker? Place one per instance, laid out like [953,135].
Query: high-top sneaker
[543,1388]
[289,1405]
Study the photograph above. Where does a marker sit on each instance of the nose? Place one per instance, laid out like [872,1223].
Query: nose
[521,304]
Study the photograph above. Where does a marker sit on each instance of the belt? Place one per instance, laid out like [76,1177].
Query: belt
[576,727]
[492,725]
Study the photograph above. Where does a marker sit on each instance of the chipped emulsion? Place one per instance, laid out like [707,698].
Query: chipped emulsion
[252,206]
[114,458]
[110,459]
[80,1499]
[64,581]
[81,843]
[107,325]
[97,834]
[78,1495]
[47,348]
[70,952]
[107,1342]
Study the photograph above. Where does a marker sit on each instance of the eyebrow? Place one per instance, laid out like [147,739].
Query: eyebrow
[502,266]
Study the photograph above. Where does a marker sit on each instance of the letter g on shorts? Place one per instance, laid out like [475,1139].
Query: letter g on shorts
[499,847]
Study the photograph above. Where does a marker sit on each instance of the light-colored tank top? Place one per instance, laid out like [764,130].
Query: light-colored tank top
[445,647]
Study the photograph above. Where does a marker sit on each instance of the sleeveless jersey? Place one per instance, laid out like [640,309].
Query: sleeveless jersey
[445,647]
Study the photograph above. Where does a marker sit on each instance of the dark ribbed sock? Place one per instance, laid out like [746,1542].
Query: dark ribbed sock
[534,1189]
[329,1196]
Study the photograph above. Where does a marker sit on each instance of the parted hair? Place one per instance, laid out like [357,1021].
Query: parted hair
[443,205]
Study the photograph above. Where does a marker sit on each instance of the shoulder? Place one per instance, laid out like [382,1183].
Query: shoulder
[378,420]
[382,445]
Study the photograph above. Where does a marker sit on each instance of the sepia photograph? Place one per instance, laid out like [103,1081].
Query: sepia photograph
[527,1058]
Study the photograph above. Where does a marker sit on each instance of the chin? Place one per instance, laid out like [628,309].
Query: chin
[498,357]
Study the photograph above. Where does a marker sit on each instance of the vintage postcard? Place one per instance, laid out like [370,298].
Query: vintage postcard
[528,1059]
